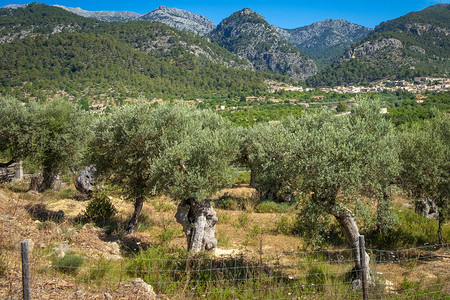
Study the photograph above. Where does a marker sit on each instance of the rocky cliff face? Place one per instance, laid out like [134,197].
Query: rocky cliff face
[247,34]
[325,41]
[370,48]
[108,16]
[180,19]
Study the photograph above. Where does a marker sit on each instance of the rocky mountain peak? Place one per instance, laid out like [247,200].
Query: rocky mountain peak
[180,19]
[247,34]
[108,16]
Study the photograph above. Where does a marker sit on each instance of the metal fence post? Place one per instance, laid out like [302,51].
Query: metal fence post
[362,256]
[25,271]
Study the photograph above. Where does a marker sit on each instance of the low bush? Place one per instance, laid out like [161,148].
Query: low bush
[242,178]
[100,210]
[412,230]
[267,207]
[228,203]
[69,263]
[284,225]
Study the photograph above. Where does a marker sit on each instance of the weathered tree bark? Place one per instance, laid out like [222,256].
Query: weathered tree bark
[199,224]
[137,210]
[252,178]
[441,222]
[85,182]
[49,179]
[347,221]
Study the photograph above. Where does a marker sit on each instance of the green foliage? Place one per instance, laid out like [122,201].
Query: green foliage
[284,225]
[228,203]
[100,210]
[184,152]
[69,263]
[313,225]
[411,230]
[394,63]
[105,55]
[267,207]
[425,154]
[15,125]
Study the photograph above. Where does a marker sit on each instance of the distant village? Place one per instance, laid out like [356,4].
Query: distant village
[420,85]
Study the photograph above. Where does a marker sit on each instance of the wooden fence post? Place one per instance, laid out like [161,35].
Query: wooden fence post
[25,271]
[362,255]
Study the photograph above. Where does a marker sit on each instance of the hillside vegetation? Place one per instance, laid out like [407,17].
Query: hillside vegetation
[417,44]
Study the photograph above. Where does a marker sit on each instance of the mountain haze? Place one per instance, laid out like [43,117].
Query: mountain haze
[247,34]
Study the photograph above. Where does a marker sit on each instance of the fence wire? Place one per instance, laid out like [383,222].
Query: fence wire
[416,273]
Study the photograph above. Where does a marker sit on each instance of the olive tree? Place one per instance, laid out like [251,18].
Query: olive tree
[14,130]
[267,151]
[173,149]
[60,132]
[54,135]
[340,160]
[425,156]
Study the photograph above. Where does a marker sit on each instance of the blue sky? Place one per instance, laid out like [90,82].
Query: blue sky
[283,13]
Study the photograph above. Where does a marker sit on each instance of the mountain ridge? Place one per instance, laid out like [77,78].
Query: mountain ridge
[248,34]
[414,45]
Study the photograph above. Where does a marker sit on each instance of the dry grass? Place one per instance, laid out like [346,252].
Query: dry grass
[247,233]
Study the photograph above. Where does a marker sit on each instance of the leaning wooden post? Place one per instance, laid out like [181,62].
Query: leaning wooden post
[25,271]
[362,256]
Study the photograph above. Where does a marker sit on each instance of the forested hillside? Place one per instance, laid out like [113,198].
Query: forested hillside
[47,49]
[417,44]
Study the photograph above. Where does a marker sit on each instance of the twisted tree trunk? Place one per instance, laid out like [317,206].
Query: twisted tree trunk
[199,224]
[347,221]
[139,202]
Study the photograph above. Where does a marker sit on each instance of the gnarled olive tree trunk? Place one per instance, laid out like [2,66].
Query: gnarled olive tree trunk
[138,203]
[348,223]
[199,224]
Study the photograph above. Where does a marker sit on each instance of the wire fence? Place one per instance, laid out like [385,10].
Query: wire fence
[416,273]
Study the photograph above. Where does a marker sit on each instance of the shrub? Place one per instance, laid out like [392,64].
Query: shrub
[100,210]
[69,263]
[267,207]
[242,178]
[228,203]
[283,225]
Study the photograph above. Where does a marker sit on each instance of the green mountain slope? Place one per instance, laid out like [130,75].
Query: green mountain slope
[417,44]
[46,49]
